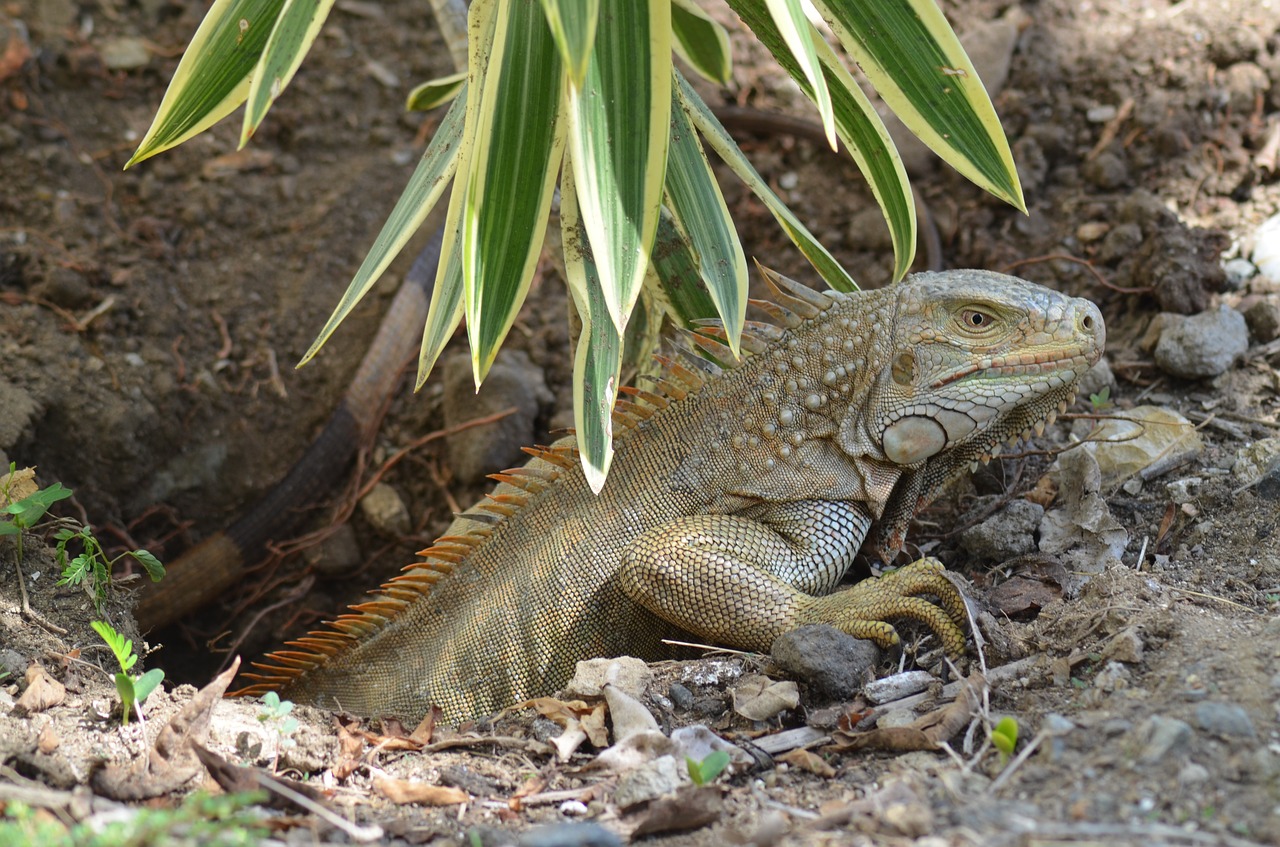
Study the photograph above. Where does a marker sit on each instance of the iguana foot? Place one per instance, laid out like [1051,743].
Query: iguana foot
[864,611]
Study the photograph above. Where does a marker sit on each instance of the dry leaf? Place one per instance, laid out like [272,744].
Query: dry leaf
[43,691]
[427,726]
[634,751]
[759,698]
[806,760]
[20,484]
[413,791]
[234,778]
[350,752]
[48,741]
[628,714]
[689,808]
[927,732]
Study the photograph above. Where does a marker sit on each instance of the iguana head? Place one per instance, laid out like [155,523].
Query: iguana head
[974,359]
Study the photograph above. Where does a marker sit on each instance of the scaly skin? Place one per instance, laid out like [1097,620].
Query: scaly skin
[734,505]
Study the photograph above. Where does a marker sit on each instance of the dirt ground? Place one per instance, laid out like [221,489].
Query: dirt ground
[150,320]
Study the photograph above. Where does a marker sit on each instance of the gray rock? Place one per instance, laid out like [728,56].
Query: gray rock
[1202,345]
[681,697]
[513,382]
[1009,533]
[1108,171]
[625,673]
[1096,379]
[1120,243]
[649,782]
[832,663]
[570,835]
[1162,736]
[897,686]
[1226,720]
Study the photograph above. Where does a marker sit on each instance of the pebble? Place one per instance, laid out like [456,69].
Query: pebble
[570,835]
[1162,736]
[125,53]
[337,555]
[1226,720]
[1265,252]
[1193,774]
[1113,677]
[1009,533]
[1238,271]
[832,663]
[1256,460]
[681,697]
[385,510]
[897,686]
[1100,114]
[1126,646]
[1243,82]
[1202,345]
[1263,320]
[1107,172]
[1144,442]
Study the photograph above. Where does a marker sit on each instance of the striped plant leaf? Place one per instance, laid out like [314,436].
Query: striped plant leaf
[701,42]
[435,92]
[716,135]
[445,312]
[912,56]
[435,169]
[860,128]
[676,275]
[695,199]
[518,142]
[573,26]
[793,27]
[597,362]
[618,144]
[295,31]
[213,78]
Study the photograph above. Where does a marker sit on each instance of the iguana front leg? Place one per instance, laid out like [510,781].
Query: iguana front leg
[743,580]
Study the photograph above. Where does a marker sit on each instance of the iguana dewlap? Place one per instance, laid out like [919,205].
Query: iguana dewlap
[736,501]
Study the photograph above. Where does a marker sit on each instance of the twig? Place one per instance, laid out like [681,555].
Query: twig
[1064,257]
[1009,769]
[30,613]
[356,832]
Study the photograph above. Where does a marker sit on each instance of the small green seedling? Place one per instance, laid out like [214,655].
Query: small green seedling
[24,514]
[709,768]
[1005,738]
[275,713]
[133,690]
[1102,400]
[92,568]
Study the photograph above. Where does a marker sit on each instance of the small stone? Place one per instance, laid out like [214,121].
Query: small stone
[1009,533]
[648,782]
[570,835]
[1238,271]
[1193,774]
[1107,172]
[1113,677]
[626,673]
[897,686]
[125,54]
[1263,320]
[1096,379]
[681,697]
[1243,82]
[1120,243]
[385,510]
[832,663]
[1162,736]
[1256,460]
[1144,442]
[1100,114]
[1202,345]
[1090,231]
[337,555]
[1126,646]
[65,287]
[1226,720]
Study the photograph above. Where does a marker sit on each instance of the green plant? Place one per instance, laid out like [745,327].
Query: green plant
[1102,400]
[133,690]
[1005,738]
[91,567]
[587,91]
[25,513]
[202,819]
[709,768]
[275,713]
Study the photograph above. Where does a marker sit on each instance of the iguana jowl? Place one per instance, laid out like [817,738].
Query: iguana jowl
[737,499]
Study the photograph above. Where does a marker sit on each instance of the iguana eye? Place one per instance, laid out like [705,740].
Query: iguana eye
[977,320]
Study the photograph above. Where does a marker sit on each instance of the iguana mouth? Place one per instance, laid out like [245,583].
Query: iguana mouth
[1045,361]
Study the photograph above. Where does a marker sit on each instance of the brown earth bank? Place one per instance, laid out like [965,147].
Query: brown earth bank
[150,321]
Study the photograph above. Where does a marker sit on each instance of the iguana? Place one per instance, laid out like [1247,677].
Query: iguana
[738,497]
